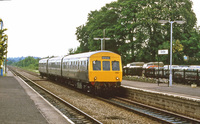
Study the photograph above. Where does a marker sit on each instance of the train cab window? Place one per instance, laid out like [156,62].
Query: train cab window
[96,65]
[115,65]
[106,65]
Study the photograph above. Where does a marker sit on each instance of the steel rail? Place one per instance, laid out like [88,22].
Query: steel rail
[192,120]
[90,118]
[132,110]
[173,116]
[152,112]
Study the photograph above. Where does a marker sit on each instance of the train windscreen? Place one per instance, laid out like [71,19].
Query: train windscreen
[96,65]
[115,65]
[106,65]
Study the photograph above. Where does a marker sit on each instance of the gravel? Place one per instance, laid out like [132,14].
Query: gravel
[100,110]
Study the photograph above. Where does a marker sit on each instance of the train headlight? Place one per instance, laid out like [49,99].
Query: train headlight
[117,78]
[95,78]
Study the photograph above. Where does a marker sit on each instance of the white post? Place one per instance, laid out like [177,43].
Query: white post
[171,22]
[170,75]
[102,44]
[102,40]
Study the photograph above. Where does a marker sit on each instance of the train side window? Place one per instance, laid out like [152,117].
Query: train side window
[73,65]
[69,65]
[115,65]
[106,65]
[65,65]
[77,65]
[96,65]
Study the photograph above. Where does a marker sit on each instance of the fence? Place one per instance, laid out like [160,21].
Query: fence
[179,76]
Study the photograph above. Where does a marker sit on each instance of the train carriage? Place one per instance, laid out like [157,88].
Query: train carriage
[54,67]
[75,67]
[105,69]
[43,67]
[91,70]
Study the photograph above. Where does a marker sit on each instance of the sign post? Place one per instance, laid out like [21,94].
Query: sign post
[161,52]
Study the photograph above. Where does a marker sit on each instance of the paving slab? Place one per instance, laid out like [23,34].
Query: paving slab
[15,105]
[177,89]
[20,104]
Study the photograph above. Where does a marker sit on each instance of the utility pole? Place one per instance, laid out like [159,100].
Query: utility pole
[103,46]
[171,22]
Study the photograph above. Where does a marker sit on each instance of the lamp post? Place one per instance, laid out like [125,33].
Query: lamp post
[102,40]
[171,22]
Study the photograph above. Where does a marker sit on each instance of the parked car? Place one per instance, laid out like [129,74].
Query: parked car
[153,64]
[134,65]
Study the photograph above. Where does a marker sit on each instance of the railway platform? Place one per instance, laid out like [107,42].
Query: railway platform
[181,99]
[19,104]
[175,89]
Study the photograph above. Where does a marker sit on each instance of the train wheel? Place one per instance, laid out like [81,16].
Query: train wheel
[88,89]
[97,91]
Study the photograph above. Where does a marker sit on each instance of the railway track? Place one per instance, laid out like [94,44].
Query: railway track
[148,111]
[151,112]
[74,114]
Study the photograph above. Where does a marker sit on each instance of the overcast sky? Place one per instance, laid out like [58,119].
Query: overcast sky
[47,27]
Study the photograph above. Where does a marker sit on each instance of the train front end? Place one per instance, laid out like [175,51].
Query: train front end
[105,70]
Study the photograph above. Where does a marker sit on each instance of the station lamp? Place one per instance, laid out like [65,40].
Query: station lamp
[171,22]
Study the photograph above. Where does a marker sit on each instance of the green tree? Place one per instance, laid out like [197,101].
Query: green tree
[97,21]
[192,46]
[134,30]
[28,63]
[3,45]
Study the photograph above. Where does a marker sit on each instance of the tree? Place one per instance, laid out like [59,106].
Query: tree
[97,22]
[3,45]
[28,63]
[134,30]
[192,46]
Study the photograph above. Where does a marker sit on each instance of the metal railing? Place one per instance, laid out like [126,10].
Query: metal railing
[183,76]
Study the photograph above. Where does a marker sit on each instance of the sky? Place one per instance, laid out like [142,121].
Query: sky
[44,28]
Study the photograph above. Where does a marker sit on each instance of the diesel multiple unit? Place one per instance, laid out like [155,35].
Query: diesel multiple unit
[88,71]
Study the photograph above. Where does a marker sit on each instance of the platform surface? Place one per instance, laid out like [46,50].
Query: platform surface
[176,89]
[20,104]
[15,105]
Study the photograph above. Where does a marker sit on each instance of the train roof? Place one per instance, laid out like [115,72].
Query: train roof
[80,55]
[43,60]
[52,59]
[85,55]
[55,59]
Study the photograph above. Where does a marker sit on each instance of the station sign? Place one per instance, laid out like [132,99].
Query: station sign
[163,52]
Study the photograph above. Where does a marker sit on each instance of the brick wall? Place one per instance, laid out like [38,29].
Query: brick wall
[178,104]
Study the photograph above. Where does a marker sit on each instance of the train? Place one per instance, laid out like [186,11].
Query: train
[90,71]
